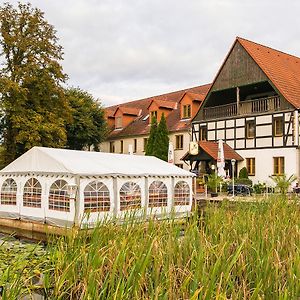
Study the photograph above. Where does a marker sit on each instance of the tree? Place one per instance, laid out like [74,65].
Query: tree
[33,104]
[88,125]
[150,148]
[162,140]
[158,142]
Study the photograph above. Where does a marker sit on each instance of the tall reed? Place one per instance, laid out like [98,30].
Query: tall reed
[240,251]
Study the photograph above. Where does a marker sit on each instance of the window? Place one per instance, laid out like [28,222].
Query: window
[153,114]
[32,195]
[179,166]
[145,144]
[96,197]
[186,111]
[203,133]
[179,141]
[59,198]
[250,129]
[111,147]
[250,166]
[158,194]
[118,123]
[278,165]
[134,145]
[9,192]
[181,193]
[278,126]
[130,196]
[121,146]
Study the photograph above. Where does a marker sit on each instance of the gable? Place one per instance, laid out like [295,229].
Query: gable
[239,69]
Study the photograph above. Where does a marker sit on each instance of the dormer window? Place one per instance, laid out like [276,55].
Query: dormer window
[186,111]
[118,123]
[153,114]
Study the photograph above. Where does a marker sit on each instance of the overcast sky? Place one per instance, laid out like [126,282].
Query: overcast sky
[131,49]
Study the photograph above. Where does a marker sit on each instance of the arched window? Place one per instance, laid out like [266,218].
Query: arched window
[59,198]
[158,194]
[130,196]
[96,197]
[181,193]
[32,195]
[9,192]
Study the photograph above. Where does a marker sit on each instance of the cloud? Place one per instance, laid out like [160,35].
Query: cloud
[123,50]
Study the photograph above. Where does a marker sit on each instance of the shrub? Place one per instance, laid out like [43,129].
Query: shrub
[243,173]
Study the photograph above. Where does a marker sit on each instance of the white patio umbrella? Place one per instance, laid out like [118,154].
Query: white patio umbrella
[221,160]
[171,153]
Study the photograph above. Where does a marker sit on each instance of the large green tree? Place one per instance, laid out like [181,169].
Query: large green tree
[33,104]
[162,140]
[158,142]
[150,148]
[88,126]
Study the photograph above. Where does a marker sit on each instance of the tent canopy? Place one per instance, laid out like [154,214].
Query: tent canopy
[73,162]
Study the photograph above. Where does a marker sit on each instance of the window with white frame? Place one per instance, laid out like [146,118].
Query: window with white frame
[59,198]
[32,195]
[158,194]
[130,196]
[96,197]
[181,193]
[9,192]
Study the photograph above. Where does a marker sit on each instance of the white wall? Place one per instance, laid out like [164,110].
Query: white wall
[178,154]
[264,162]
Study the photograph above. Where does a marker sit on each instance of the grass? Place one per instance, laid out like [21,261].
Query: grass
[249,251]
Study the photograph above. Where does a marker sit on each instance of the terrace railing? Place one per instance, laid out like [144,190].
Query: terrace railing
[249,107]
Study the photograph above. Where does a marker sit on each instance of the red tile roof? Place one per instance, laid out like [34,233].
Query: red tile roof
[109,113]
[129,110]
[196,97]
[164,104]
[140,126]
[211,148]
[282,69]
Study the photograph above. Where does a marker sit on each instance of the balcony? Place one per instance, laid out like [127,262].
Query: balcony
[249,107]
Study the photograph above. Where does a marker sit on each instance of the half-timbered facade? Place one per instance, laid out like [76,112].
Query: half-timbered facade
[253,107]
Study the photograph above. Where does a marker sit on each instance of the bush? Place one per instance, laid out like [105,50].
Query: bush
[245,181]
[259,187]
[243,173]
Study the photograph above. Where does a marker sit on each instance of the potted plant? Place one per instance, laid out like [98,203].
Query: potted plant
[213,181]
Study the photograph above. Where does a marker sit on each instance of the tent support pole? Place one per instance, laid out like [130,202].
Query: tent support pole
[77,201]
[172,194]
[115,199]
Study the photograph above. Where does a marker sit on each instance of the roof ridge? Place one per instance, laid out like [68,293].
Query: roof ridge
[273,49]
[149,98]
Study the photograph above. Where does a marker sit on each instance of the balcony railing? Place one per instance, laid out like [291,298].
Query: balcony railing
[250,107]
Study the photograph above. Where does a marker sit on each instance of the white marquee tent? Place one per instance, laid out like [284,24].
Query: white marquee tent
[65,187]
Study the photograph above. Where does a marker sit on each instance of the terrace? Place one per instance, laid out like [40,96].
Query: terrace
[247,107]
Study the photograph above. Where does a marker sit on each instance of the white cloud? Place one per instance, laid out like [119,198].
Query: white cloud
[124,50]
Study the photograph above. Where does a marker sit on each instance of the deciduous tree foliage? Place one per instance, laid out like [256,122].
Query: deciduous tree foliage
[88,126]
[33,104]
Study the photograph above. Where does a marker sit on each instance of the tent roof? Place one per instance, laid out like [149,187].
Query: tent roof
[62,161]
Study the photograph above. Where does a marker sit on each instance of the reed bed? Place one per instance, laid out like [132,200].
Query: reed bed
[245,251]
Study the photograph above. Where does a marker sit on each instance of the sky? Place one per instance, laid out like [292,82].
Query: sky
[123,50]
